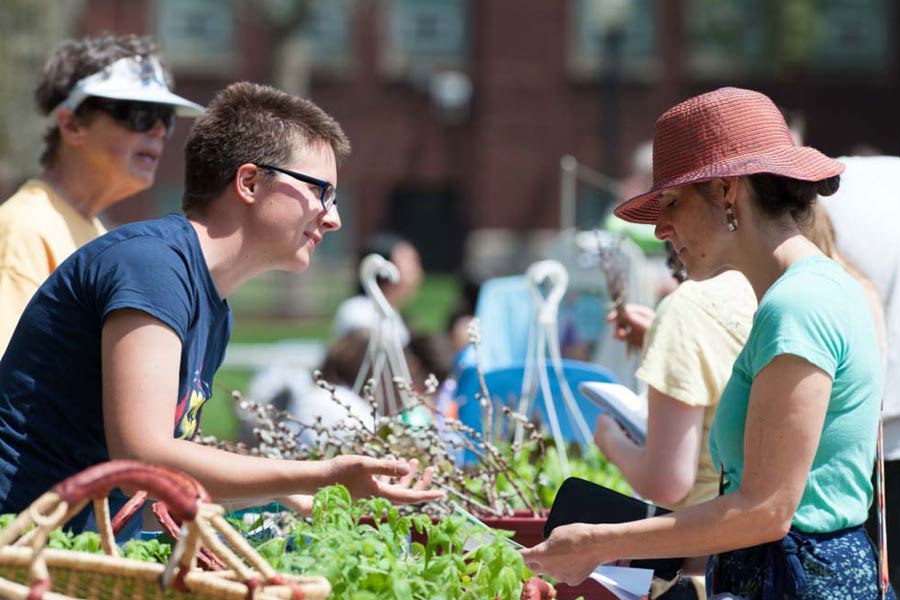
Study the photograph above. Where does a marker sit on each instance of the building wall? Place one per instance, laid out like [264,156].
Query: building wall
[499,166]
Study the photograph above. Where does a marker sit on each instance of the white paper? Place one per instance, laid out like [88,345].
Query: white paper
[626,407]
[626,583]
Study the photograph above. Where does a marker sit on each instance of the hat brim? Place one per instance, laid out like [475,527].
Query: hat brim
[798,162]
[183,106]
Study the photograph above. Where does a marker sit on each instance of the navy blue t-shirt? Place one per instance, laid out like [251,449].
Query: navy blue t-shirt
[51,418]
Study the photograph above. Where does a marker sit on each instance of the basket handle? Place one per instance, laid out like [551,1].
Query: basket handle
[206,559]
[179,491]
[128,510]
[182,493]
[203,524]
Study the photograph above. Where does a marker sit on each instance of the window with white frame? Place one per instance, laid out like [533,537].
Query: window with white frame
[419,37]
[768,38]
[326,36]
[855,35]
[727,38]
[613,34]
[196,34]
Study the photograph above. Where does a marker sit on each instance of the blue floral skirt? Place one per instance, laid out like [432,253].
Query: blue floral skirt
[803,566]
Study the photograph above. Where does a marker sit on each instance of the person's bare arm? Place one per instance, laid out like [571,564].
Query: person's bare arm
[788,402]
[141,358]
[665,469]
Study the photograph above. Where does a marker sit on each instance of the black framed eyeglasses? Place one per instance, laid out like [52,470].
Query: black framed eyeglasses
[328,194]
[137,116]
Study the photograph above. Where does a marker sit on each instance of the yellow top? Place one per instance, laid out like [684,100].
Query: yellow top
[38,231]
[689,352]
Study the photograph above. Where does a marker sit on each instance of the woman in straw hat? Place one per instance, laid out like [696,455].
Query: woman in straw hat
[796,428]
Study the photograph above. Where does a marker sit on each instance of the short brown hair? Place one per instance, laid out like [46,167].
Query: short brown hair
[74,60]
[250,123]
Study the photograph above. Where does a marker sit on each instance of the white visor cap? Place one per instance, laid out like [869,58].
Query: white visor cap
[130,78]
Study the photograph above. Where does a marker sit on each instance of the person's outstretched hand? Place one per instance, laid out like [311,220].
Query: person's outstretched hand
[566,555]
[392,479]
[631,323]
[300,503]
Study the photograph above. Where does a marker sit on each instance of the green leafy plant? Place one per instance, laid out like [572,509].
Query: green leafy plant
[152,550]
[545,470]
[367,550]
[364,549]
[82,542]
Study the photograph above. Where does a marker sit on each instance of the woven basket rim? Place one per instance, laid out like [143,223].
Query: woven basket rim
[198,581]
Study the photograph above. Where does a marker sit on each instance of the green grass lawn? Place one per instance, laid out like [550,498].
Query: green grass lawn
[218,413]
[428,312]
[256,330]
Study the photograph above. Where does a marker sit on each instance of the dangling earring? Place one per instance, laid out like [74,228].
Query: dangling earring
[730,218]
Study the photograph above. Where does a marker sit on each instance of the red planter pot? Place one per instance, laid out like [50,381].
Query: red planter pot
[528,531]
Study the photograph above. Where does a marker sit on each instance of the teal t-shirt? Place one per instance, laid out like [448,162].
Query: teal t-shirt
[816,311]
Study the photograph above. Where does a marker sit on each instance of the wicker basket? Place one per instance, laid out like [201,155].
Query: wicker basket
[30,571]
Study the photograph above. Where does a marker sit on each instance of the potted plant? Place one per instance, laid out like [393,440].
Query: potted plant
[507,484]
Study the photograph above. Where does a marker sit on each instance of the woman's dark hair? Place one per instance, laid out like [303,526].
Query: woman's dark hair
[345,357]
[433,352]
[674,263]
[382,244]
[777,195]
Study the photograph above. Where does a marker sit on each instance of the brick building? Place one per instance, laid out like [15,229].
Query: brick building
[459,110]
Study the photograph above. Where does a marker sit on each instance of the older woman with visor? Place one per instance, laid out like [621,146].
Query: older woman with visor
[110,112]
[796,428]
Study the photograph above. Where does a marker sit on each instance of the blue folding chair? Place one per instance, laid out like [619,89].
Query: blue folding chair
[521,360]
[505,386]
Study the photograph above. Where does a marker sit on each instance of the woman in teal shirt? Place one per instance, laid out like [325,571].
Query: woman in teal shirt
[796,427]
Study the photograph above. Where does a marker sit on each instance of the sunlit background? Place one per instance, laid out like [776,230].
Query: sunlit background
[481,128]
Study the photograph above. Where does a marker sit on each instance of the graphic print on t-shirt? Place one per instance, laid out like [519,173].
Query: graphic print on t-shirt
[187,413]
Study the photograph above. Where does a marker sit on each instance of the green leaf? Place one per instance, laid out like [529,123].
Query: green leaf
[402,589]
[87,541]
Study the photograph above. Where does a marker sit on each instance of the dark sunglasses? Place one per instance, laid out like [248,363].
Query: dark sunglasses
[328,194]
[136,116]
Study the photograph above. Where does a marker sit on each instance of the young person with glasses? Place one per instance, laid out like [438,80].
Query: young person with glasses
[110,112]
[115,355]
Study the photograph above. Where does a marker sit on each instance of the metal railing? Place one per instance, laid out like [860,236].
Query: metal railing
[572,173]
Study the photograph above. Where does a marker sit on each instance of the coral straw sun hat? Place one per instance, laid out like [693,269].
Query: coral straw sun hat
[726,133]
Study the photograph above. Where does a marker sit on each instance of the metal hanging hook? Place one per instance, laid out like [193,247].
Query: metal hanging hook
[554,272]
[371,268]
[385,358]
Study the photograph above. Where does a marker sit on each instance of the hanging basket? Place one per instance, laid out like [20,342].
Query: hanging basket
[31,571]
